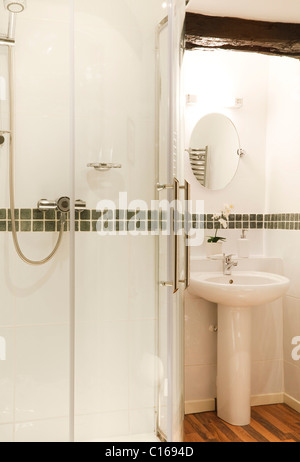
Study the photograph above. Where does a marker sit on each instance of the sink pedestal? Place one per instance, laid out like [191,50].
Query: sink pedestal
[235,295]
[234,364]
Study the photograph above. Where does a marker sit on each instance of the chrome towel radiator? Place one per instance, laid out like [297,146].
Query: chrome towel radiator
[198,161]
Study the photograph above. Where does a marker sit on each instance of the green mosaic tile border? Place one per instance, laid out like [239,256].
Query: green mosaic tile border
[289,221]
[33,220]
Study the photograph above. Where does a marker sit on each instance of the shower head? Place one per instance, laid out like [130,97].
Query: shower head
[15,6]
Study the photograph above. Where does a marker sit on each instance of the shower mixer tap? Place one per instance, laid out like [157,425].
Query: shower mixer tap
[62,205]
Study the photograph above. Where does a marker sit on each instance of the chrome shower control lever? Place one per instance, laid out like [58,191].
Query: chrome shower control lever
[62,204]
[45,204]
[80,205]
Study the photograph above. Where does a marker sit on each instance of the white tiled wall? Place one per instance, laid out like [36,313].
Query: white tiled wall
[42,77]
[216,78]
[271,167]
[34,386]
[286,245]
[34,304]
[115,334]
[283,154]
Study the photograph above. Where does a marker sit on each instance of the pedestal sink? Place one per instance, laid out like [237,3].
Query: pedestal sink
[235,295]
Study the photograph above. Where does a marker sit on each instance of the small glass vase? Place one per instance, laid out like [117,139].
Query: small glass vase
[214,248]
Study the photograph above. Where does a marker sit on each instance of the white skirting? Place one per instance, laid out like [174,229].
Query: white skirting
[139,438]
[206,405]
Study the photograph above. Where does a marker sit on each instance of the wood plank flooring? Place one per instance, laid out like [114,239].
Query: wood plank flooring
[270,423]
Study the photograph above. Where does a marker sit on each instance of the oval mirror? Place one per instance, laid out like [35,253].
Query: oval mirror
[214,151]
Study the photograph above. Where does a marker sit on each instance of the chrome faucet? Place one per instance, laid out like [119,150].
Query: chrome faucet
[228,263]
[62,204]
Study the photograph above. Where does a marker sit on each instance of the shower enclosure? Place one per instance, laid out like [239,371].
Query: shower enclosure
[91,341]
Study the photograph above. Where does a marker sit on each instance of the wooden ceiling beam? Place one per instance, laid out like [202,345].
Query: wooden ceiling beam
[215,32]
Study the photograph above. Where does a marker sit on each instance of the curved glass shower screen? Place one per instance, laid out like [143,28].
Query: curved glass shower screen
[80,336]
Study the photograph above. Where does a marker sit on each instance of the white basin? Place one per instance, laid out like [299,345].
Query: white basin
[242,288]
[235,295]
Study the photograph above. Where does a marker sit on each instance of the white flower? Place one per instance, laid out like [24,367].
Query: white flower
[223,222]
[227,210]
[216,216]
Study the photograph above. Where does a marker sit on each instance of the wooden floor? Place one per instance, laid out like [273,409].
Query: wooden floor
[272,423]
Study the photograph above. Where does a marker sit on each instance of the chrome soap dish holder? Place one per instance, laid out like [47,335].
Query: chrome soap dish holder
[103,166]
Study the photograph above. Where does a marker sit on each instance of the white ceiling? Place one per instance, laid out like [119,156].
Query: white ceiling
[264,10]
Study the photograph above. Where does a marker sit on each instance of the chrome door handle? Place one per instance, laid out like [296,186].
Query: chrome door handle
[187,195]
[175,187]
[176,237]
[175,283]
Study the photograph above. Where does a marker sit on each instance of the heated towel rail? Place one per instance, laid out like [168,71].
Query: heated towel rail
[198,161]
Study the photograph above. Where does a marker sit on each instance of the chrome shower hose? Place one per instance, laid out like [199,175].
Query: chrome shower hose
[11,180]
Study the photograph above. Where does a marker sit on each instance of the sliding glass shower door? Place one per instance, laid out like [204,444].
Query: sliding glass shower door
[120,369]
[172,199]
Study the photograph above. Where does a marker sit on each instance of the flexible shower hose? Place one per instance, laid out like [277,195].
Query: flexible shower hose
[11,180]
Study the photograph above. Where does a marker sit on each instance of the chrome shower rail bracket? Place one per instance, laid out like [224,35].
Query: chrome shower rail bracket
[241,152]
